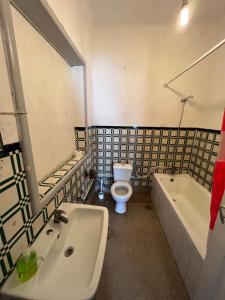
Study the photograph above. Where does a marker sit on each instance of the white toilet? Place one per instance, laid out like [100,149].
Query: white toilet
[121,190]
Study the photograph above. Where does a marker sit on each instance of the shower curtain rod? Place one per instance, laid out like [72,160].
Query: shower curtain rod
[196,62]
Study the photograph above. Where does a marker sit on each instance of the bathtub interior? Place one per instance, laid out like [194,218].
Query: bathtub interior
[192,205]
[185,222]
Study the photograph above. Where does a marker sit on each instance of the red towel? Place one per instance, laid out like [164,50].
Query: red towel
[218,188]
[218,185]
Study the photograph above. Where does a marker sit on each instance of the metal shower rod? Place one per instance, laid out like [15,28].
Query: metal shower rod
[196,62]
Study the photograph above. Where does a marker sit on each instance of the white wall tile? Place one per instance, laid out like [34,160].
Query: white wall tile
[51,207]
[51,180]
[68,187]
[6,170]
[69,197]
[19,247]
[37,224]
[13,225]
[43,189]
[8,199]
[60,195]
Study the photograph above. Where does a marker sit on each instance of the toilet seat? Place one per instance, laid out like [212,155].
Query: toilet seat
[125,191]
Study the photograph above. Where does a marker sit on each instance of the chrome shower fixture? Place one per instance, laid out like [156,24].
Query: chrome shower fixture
[185,99]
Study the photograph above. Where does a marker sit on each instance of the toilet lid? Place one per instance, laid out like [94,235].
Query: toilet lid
[122,189]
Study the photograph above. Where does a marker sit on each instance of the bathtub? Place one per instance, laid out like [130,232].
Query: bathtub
[183,207]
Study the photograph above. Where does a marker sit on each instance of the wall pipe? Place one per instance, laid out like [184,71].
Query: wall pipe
[136,175]
[86,108]
[11,55]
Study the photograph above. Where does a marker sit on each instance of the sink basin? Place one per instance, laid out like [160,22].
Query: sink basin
[71,254]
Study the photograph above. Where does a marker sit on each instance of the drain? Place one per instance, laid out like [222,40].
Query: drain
[69,251]
[174,200]
[172,179]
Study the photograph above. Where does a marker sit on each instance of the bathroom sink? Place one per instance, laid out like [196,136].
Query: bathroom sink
[71,254]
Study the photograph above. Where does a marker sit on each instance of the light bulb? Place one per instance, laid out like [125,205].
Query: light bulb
[184,15]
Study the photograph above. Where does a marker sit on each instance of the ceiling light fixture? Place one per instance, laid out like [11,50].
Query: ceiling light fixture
[184,13]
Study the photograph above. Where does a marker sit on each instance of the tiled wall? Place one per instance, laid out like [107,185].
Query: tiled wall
[204,153]
[191,150]
[18,228]
[80,139]
[75,187]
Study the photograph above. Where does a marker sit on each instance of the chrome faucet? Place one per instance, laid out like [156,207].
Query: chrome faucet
[173,170]
[58,216]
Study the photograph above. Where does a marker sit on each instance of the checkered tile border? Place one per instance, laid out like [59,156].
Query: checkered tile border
[19,217]
[204,153]
[190,150]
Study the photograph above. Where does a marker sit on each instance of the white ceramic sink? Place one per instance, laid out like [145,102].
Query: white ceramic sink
[59,277]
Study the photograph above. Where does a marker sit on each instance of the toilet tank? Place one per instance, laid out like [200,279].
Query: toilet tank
[122,172]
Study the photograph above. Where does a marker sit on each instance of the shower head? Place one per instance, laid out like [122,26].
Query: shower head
[185,99]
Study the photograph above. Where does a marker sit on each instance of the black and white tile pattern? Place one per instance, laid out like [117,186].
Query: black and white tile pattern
[80,138]
[18,228]
[190,150]
[204,153]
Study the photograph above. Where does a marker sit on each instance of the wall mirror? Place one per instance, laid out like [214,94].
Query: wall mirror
[53,75]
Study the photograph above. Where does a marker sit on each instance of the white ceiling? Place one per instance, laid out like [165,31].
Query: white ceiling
[150,12]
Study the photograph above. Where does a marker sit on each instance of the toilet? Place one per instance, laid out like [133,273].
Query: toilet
[121,190]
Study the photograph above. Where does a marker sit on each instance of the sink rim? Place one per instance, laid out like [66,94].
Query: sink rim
[32,285]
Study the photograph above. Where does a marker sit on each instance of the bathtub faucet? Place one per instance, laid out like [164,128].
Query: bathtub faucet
[173,170]
[58,217]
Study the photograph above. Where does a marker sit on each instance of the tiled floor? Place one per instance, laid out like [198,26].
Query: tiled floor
[138,263]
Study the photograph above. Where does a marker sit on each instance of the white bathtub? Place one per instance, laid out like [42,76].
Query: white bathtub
[183,207]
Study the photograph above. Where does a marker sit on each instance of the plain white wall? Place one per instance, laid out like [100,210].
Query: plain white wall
[76,18]
[8,127]
[213,102]
[48,90]
[53,90]
[132,58]
[78,92]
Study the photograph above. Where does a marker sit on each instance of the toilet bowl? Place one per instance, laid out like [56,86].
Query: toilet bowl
[121,192]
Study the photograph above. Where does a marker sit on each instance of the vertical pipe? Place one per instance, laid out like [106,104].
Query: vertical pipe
[181,116]
[86,107]
[19,103]
[178,134]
